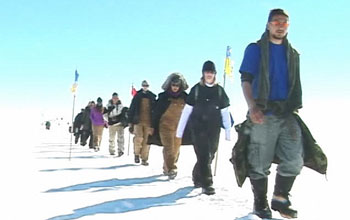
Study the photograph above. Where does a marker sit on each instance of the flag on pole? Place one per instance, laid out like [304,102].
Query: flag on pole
[76,76]
[75,84]
[133,91]
[228,64]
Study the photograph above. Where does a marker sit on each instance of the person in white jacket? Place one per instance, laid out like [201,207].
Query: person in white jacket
[205,112]
[114,114]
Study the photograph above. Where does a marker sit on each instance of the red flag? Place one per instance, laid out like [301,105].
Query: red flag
[133,91]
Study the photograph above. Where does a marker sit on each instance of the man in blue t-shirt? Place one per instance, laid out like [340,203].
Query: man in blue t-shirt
[271,87]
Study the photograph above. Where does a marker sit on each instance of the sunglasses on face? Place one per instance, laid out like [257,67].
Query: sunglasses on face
[175,85]
[280,23]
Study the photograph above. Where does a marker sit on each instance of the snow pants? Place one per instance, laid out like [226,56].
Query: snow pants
[171,149]
[141,148]
[276,137]
[97,131]
[206,141]
[113,130]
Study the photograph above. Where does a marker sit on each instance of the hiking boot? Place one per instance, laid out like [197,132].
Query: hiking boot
[261,207]
[97,149]
[144,163]
[280,200]
[137,159]
[172,174]
[282,205]
[208,190]
[120,153]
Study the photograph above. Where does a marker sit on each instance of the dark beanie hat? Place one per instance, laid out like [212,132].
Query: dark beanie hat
[99,100]
[115,94]
[208,66]
[277,11]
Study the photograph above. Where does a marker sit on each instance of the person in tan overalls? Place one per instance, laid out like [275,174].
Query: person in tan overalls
[166,116]
[140,121]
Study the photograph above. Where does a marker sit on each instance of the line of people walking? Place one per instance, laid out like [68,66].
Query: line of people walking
[271,85]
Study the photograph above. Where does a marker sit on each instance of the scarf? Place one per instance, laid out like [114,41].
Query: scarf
[293,101]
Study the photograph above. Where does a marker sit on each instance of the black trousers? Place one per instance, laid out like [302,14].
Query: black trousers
[206,141]
[84,136]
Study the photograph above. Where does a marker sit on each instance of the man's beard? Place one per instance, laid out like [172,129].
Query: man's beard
[278,36]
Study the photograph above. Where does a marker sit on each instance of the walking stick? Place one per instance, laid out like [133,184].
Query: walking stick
[216,161]
[129,143]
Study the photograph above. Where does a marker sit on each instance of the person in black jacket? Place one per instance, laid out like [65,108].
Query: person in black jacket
[207,110]
[166,116]
[86,126]
[139,115]
[77,125]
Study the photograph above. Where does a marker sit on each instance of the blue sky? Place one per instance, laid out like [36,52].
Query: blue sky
[114,43]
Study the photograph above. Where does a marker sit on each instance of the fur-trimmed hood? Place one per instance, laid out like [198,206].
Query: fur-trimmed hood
[175,77]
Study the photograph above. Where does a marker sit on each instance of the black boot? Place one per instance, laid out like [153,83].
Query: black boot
[208,190]
[261,207]
[137,159]
[280,201]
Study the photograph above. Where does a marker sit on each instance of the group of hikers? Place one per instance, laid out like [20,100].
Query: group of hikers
[271,86]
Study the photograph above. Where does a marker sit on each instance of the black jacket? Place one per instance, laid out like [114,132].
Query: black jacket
[78,122]
[86,121]
[134,110]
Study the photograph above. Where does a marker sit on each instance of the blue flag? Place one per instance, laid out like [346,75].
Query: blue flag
[76,76]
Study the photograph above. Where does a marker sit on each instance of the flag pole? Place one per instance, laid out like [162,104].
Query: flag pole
[225,69]
[73,89]
[71,134]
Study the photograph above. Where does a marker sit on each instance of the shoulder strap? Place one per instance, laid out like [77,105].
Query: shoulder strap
[196,91]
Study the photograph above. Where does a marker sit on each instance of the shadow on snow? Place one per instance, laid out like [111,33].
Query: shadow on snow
[109,183]
[128,205]
[100,168]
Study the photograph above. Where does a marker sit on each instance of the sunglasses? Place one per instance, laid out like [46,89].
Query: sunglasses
[175,85]
[280,23]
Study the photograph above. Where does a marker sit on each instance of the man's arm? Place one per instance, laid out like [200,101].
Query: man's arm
[255,113]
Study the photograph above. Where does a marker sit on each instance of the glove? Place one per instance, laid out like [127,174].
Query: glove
[111,107]
[131,128]
[228,134]
[151,131]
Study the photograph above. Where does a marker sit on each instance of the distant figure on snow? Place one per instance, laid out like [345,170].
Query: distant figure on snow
[47,125]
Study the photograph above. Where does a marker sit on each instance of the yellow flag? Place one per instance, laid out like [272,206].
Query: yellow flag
[228,64]
[74,87]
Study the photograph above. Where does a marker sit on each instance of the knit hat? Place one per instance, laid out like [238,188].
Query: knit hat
[209,66]
[144,83]
[115,94]
[99,100]
[277,11]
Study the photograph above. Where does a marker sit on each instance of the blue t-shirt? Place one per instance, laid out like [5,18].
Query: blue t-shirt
[277,66]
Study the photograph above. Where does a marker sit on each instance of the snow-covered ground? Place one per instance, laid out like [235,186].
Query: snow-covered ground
[38,181]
